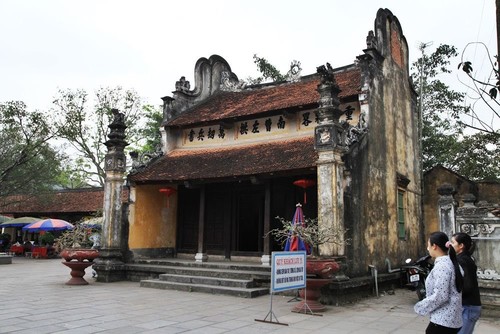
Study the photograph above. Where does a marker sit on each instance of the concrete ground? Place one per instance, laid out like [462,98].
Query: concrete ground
[35,299]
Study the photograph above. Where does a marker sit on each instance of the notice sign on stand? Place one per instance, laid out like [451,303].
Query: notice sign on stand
[288,271]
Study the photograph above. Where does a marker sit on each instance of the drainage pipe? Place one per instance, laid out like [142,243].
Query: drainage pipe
[375,277]
[389,270]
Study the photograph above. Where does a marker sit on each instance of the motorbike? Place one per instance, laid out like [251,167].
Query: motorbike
[413,274]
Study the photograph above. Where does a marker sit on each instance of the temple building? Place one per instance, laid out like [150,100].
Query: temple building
[343,142]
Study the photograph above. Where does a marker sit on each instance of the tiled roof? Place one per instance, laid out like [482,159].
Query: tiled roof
[67,201]
[230,105]
[248,160]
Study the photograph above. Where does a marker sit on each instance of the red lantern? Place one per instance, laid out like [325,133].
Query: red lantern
[304,184]
[168,191]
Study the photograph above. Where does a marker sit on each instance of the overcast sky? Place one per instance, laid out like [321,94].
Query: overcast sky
[147,45]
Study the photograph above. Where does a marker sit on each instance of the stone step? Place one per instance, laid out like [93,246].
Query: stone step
[218,273]
[247,280]
[215,265]
[5,259]
[204,280]
[222,290]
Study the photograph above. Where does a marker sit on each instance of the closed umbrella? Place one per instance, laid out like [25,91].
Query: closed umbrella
[19,222]
[294,242]
[48,225]
[95,223]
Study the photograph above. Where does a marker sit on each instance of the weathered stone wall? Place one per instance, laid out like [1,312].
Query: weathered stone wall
[391,147]
[152,219]
[479,219]
[435,178]
[488,191]
[484,228]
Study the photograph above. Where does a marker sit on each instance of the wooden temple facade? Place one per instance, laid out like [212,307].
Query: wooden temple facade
[343,142]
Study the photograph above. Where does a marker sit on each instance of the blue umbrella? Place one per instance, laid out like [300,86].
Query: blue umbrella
[295,243]
[48,225]
[19,222]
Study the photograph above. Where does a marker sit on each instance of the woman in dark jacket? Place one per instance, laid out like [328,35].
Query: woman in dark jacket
[471,300]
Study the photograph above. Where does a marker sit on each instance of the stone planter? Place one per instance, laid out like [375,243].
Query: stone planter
[321,268]
[319,273]
[78,259]
[79,254]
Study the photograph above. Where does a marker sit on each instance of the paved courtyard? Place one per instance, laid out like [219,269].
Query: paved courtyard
[34,299]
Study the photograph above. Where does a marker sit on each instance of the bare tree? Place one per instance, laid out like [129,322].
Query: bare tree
[86,127]
[486,87]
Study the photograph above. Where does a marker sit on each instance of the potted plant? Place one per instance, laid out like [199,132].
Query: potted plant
[76,249]
[320,270]
[75,244]
[313,235]
[47,239]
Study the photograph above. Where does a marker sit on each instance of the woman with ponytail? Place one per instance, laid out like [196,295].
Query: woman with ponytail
[443,286]
[471,300]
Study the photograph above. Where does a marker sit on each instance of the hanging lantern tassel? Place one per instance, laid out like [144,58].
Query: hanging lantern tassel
[304,184]
[168,191]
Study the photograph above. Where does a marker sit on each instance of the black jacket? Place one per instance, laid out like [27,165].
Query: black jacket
[470,292]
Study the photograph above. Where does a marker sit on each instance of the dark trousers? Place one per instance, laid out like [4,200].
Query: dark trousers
[438,329]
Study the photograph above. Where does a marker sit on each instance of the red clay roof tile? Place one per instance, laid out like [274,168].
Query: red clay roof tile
[251,102]
[67,201]
[255,159]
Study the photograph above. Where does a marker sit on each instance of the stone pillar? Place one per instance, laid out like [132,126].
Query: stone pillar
[109,265]
[201,256]
[266,256]
[330,144]
[446,209]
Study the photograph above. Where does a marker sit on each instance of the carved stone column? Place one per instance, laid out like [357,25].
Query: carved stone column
[266,256]
[446,209]
[330,144]
[109,265]
[201,255]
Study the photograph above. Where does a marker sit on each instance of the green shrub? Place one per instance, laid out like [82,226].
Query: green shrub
[47,238]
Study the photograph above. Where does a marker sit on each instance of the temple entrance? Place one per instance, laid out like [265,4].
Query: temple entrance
[233,215]
[188,220]
[218,219]
[249,221]
[233,219]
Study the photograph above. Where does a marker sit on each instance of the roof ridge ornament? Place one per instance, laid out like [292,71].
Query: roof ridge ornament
[326,75]
[142,160]
[294,73]
[182,85]
[371,41]
[207,82]
[230,83]
[329,102]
